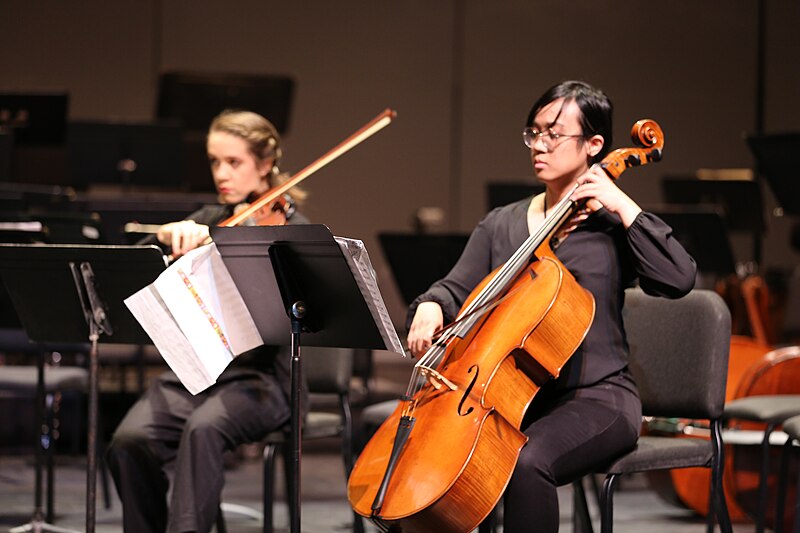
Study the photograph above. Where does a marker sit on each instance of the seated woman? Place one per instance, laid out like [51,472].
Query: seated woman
[251,397]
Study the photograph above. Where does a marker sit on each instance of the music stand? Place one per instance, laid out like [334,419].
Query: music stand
[775,156]
[704,236]
[196,98]
[738,202]
[403,250]
[129,154]
[71,294]
[6,147]
[35,118]
[295,280]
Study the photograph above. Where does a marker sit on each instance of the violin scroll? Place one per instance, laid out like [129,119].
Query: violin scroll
[647,134]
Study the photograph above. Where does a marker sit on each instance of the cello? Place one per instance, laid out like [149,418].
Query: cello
[442,460]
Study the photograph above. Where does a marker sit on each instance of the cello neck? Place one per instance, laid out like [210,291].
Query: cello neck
[521,258]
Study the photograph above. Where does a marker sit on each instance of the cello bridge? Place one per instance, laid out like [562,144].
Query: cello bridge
[436,379]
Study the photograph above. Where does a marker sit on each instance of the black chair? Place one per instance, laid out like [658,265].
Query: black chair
[792,429]
[771,411]
[679,358]
[327,372]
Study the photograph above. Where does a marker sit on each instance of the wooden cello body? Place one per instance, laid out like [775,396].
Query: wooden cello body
[442,460]
[466,440]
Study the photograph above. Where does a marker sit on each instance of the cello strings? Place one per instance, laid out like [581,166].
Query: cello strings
[491,295]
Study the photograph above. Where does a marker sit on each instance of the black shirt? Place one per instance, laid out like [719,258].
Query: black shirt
[604,257]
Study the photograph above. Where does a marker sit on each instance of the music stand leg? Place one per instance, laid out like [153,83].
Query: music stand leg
[91,445]
[298,311]
[94,311]
[37,523]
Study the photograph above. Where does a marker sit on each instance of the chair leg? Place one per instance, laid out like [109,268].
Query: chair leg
[761,516]
[718,506]
[796,528]
[607,504]
[286,449]
[221,528]
[102,466]
[783,483]
[268,494]
[347,434]
[581,518]
[347,451]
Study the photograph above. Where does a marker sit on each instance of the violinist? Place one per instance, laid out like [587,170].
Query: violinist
[251,397]
[591,413]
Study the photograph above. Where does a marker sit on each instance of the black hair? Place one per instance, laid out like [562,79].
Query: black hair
[596,110]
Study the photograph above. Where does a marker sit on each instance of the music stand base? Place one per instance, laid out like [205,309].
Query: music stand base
[39,526]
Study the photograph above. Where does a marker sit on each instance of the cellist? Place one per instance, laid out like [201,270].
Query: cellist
[592,412]
[251,397]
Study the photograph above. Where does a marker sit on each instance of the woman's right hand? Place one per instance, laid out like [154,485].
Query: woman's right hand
[183,236]
[428,319]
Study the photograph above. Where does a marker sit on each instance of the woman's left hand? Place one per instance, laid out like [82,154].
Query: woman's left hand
[597,188]
[183,236]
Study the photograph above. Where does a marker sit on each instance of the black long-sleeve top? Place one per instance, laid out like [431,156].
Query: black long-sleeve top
[604,257]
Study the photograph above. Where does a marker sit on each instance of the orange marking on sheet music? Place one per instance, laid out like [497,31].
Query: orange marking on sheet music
[211,319]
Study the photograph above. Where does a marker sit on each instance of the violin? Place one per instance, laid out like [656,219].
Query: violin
[442,460]
[272,207]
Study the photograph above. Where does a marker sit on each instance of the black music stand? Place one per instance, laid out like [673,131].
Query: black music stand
[403,250]
[71,294]
[703,234]
[775,157]
[196,98]
[35,118]
[128,154]
[739,203]
[295,279]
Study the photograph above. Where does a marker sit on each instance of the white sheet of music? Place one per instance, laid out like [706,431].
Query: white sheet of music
[196,318]
[357,258]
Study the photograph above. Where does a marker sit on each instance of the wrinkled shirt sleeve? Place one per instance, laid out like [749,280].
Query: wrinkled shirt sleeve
[663,266]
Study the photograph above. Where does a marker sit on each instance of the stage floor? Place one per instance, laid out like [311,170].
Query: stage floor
[324,505]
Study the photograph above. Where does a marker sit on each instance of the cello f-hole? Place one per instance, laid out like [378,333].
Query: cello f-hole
[467,392]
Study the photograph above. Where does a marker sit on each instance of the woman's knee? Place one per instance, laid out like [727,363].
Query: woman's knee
[127,438]
[205,432]
[534,466]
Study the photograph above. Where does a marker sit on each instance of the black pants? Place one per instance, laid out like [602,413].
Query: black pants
[569,436]
[169,424]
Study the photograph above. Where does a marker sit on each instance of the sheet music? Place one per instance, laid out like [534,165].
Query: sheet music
[357,258]
[155,318]
[196,318]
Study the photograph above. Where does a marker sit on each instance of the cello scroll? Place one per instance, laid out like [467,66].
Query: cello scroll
[646,134]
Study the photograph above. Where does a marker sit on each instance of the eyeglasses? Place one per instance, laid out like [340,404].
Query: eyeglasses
[549,137]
